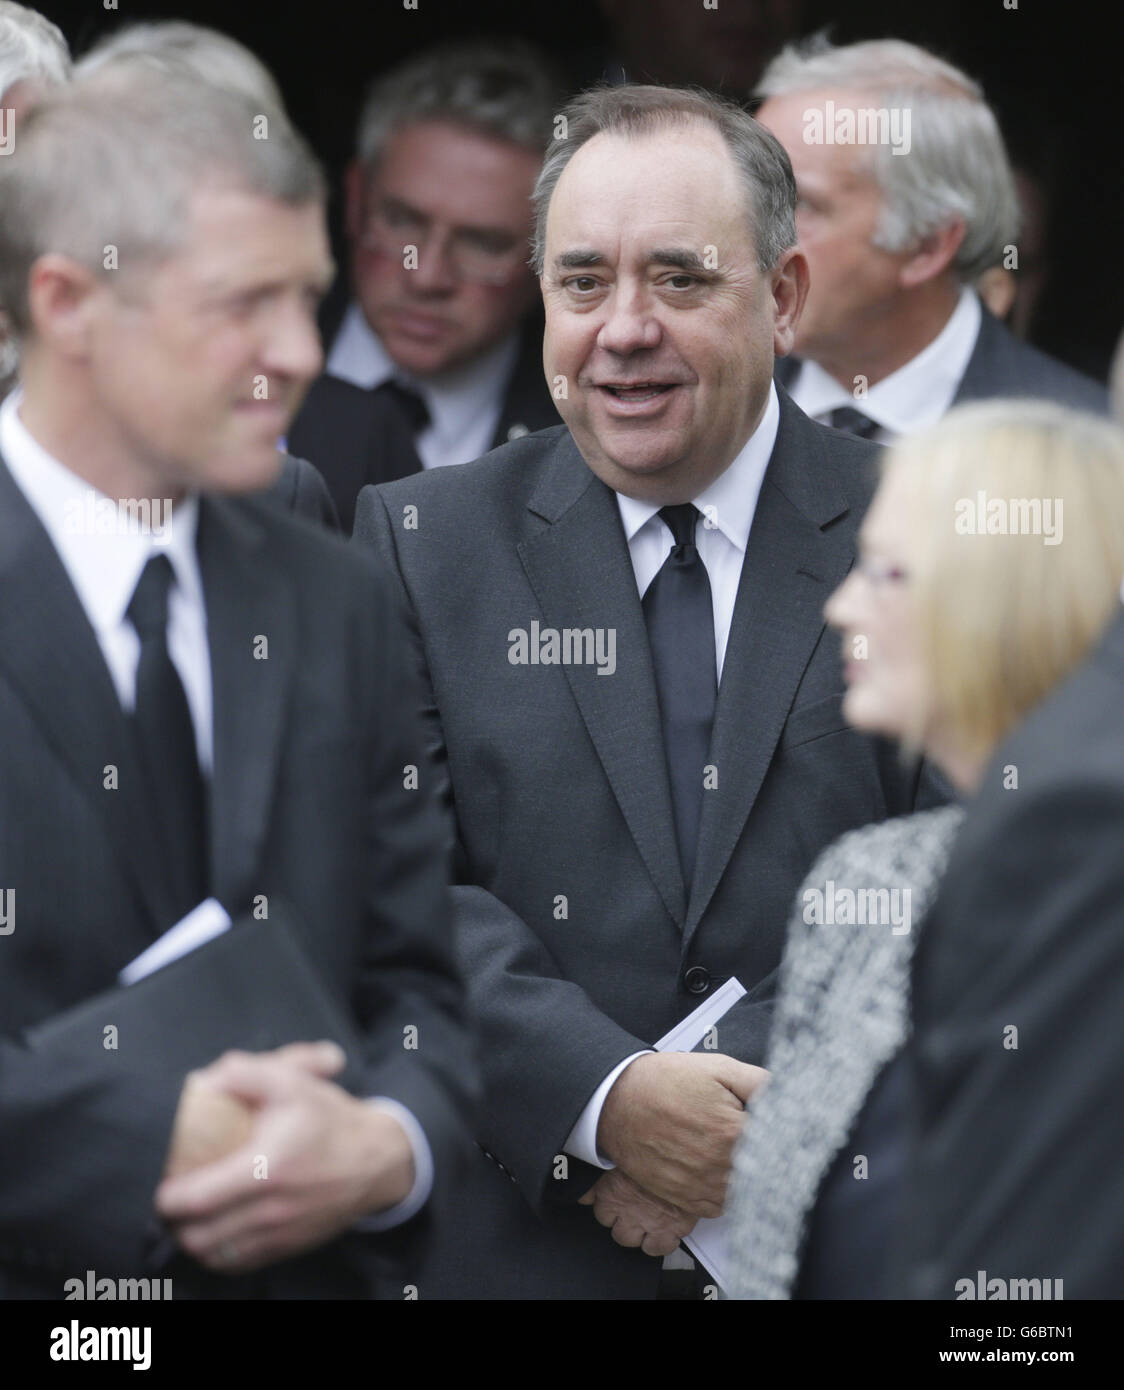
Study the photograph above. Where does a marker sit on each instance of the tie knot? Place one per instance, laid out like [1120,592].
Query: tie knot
[681,520]
[409,403]
[853,421]
[148,608]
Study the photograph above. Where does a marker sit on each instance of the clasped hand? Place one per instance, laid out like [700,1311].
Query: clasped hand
[269,1157]
[669,1123]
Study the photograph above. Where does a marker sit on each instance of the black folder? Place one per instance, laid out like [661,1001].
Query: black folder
[252,988]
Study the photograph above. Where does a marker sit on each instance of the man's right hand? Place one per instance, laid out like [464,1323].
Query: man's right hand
[671,1121]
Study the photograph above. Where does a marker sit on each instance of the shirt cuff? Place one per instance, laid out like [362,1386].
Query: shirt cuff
[582,1140]
[418,1195]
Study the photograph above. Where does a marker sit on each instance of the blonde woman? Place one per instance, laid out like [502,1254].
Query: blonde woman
[989,563]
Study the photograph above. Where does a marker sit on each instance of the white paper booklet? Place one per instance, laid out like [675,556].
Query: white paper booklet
[708,1242]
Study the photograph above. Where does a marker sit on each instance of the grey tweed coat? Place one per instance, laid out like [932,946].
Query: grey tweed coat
[842,1014]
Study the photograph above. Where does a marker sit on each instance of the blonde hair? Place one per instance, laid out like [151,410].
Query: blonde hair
[1003,618]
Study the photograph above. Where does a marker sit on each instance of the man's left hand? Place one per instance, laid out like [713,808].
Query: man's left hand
[316,1161]
[636,1217]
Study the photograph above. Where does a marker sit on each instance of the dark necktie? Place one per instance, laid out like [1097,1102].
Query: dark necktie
[680,617]
[166,743]
[853,422]
[407,415]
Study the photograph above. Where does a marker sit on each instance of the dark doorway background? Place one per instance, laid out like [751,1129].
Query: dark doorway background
[1048,67]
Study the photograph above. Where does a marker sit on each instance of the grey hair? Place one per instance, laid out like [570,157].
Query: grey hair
[633,110]
[957,166]
[116,159]
[177,46]
[30,47]
[503,89]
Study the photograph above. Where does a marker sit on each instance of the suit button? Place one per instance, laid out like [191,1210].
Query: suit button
[697,980]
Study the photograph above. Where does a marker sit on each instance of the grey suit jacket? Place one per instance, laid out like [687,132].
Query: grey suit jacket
[307,804]
[580,940]
[1002,365]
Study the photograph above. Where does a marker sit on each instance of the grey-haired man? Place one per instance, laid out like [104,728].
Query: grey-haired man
[906,198]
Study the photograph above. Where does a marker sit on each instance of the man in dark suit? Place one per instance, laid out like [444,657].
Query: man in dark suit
[1018,987]
[208,706]
[906,199]
[639,784]
[437,358]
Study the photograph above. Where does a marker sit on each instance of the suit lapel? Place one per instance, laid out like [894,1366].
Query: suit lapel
[989,370]
[249,602]
[580,571]
[792,564]
[50,654]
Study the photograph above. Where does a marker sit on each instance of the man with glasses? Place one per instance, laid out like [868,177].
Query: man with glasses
[437,357]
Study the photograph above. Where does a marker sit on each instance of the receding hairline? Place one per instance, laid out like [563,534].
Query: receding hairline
[670,254]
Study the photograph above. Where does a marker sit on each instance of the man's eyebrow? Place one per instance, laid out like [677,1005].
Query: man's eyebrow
[575,260]
[682,257]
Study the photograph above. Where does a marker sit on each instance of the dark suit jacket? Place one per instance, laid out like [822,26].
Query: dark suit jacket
[350,435]
[300,488]
[1002,365]
[1018,1167]
[576,929]
[307,805]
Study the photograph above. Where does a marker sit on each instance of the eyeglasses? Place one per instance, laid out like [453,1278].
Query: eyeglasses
[879,573]
[388,232]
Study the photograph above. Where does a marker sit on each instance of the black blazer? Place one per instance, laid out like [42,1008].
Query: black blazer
[1017,1170]
[301,488]
[580,941]
[307,804]
[1002,365]
[350,435]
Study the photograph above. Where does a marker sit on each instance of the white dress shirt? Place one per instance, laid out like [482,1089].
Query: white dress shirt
[464,404]
[104,566]
[728,506]
[105,569]
[913,397]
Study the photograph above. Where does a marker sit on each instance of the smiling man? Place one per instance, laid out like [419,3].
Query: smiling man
[629,842]
[216,712]
[434,360]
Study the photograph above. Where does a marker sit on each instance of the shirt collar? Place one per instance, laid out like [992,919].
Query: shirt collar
[454,398]
[917,394]
[101,547]
[733,494]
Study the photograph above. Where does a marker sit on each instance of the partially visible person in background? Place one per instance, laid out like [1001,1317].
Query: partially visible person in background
[906,197]
[951,637]
[183,49]
[437,356]
[723,48]
[33,58]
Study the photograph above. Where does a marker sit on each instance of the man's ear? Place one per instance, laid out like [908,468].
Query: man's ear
[790,278]
[934,255]
[354,186]
[61,299]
